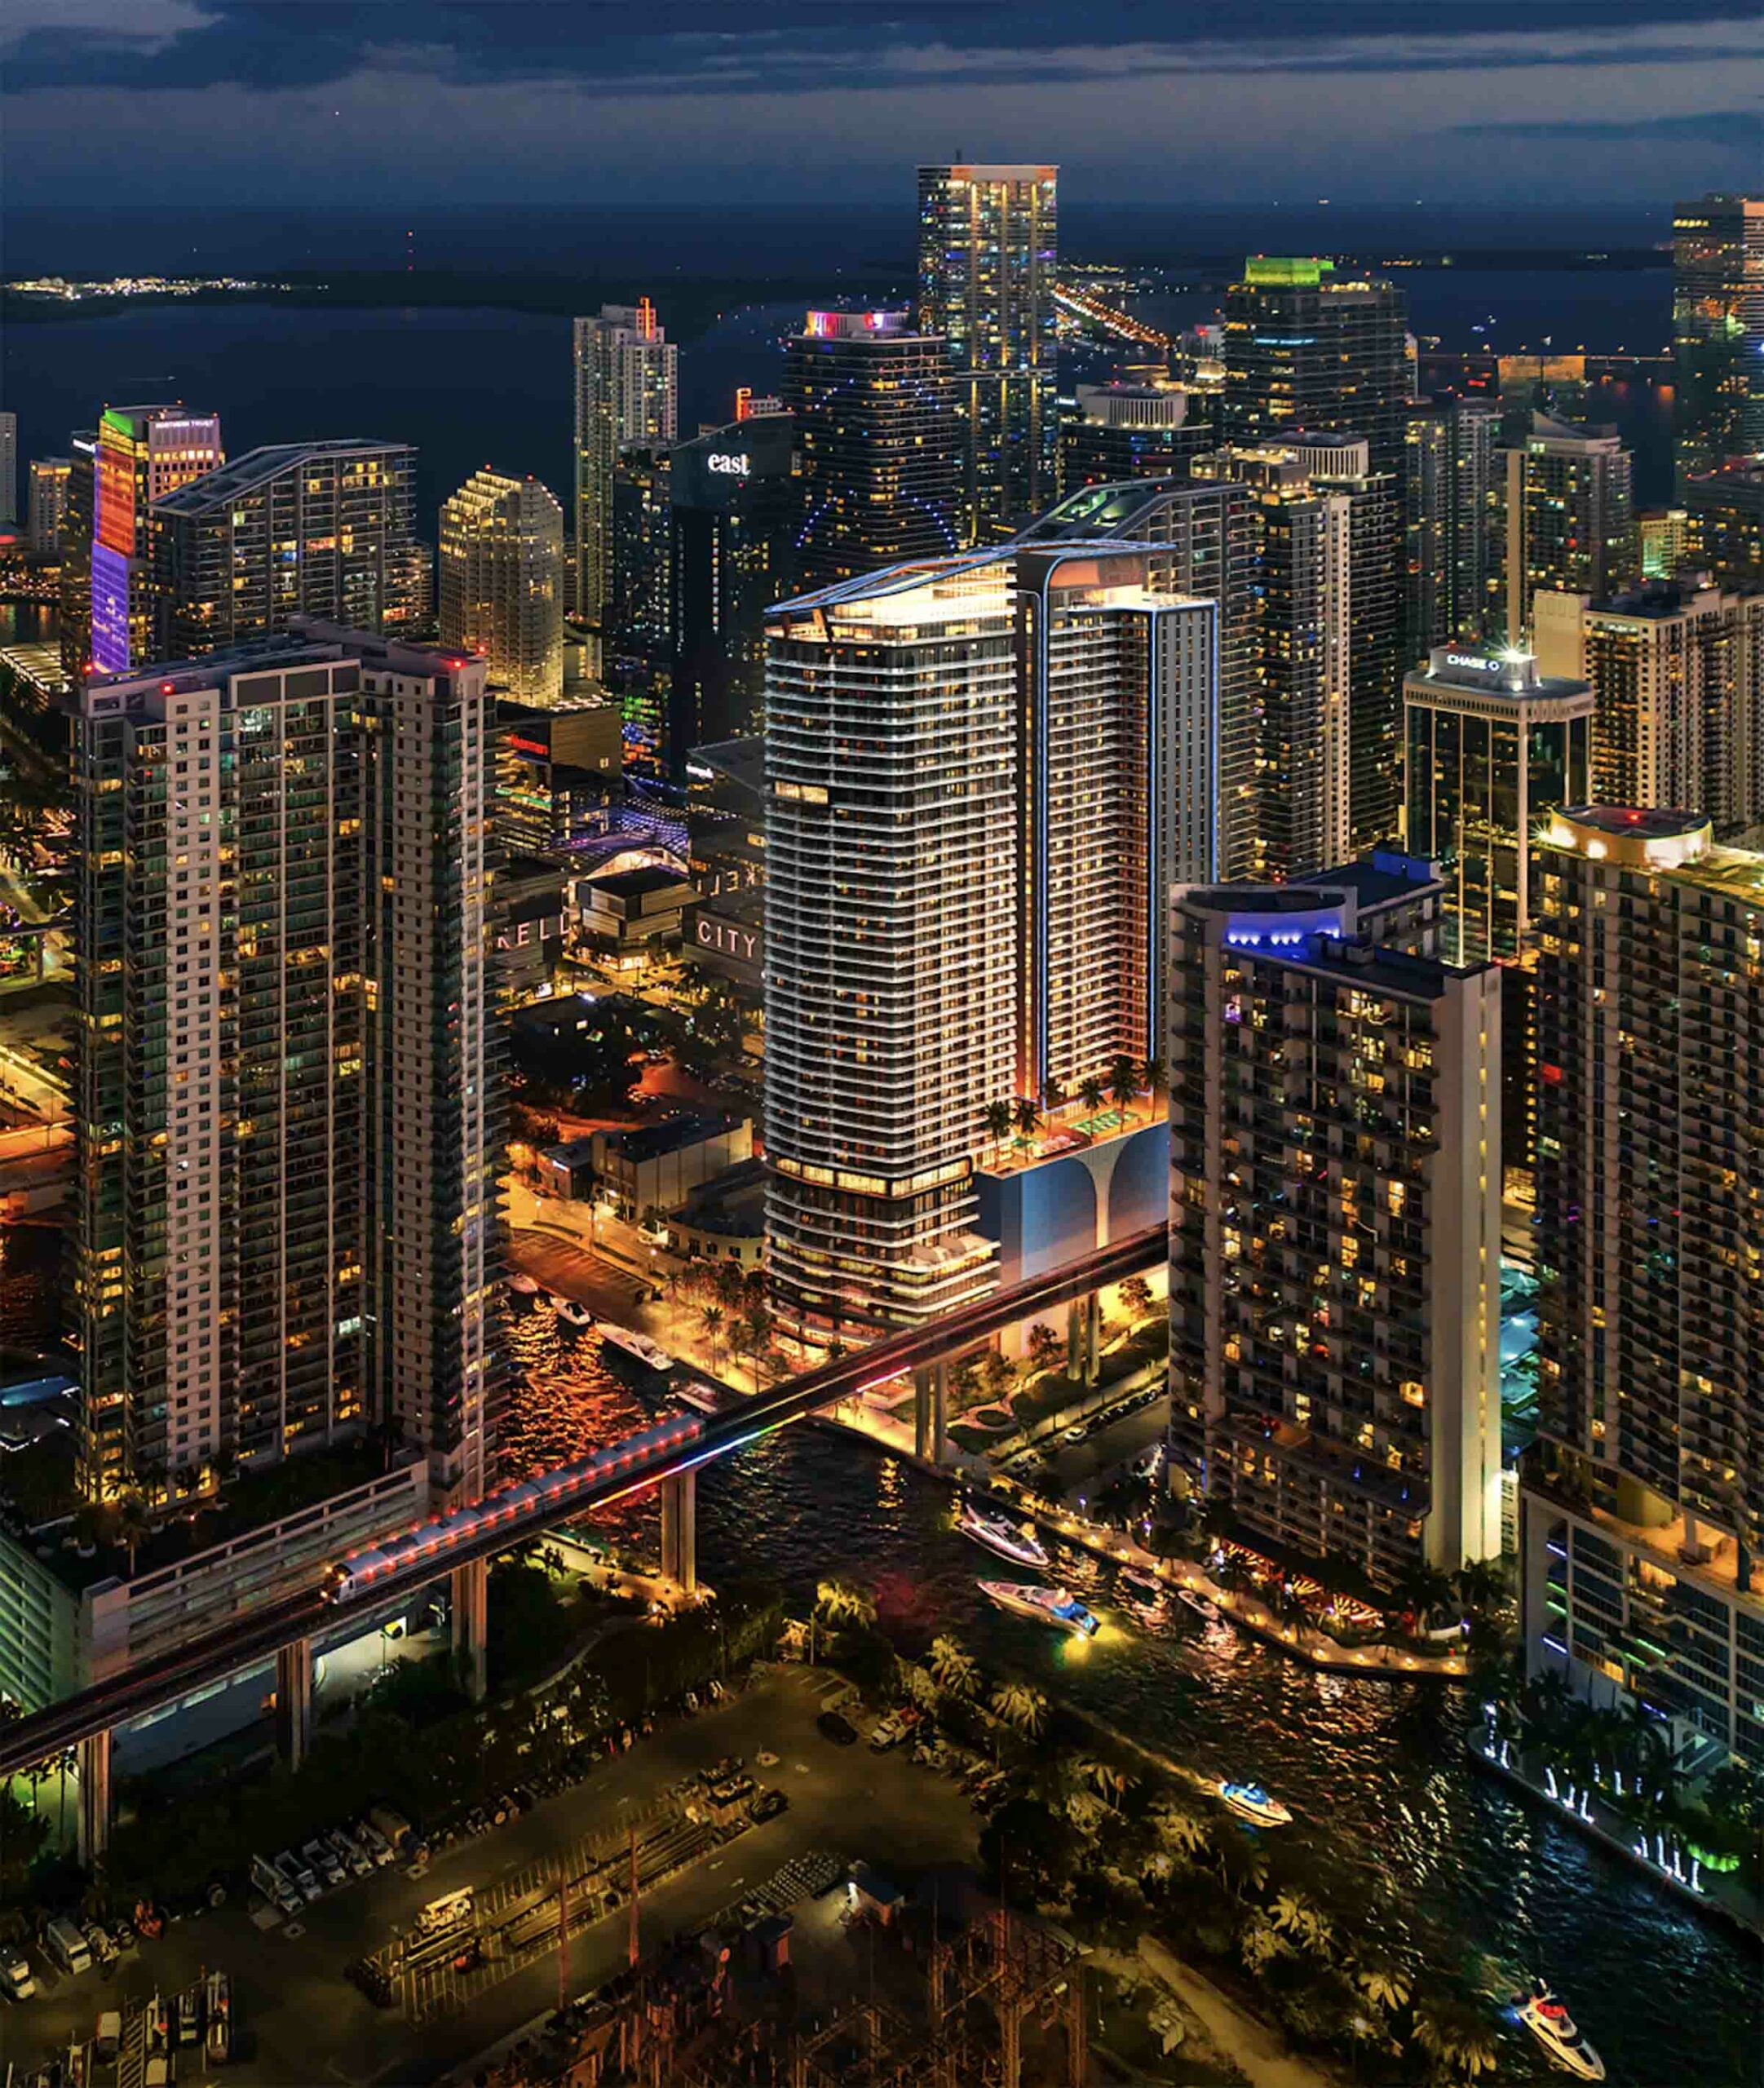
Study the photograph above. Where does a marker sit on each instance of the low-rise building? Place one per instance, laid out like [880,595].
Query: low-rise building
[658,1166]
[725,1220]
[629,917]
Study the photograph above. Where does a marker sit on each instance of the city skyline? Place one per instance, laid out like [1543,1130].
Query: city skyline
[1134,887]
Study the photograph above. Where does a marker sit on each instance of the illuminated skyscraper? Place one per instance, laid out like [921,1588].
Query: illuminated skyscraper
[1335,1234]
[734,513]
[1718,326]
[46,509]
[143,452]
[1678,673]
[502,568]
[988,250]
[1326,720]
[288,1121]
[1724,524]
[1642,1506]
[874,407]
[9,469]
[1303,349]
[1450,510]
[1491,746]
[1131,431]
[890,939]
[1210,531]
[627,373]
[985,772]
[1571,517]
[313,529]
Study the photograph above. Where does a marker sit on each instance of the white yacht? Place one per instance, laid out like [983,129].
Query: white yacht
[1250,1802]
[1021,1547]
[1550,2024]
[1051,1605]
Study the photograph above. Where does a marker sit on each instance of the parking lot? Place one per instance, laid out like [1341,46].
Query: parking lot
[298,2020]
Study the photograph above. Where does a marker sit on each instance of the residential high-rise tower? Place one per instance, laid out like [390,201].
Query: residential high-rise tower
[1642,1506]
[988,250]
[141,455]
[626,379]
[1717,327]
[288,1119]
[874,407]
[1570,517]
[1335,1231]
[501,582]
[297,529]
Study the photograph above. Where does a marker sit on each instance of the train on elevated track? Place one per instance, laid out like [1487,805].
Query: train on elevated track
[360,1571]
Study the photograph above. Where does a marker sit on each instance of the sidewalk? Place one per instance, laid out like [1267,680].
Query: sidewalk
[1260,2053]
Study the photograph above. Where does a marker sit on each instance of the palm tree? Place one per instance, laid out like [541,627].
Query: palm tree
[1104,1778]
[956,1670]
[838,1602]
[1184,1831]
[1455,2038]
[1259,1944]
[998,1122]
[1026,1114]
[1383,1982]
[134,1524]
[1152,1074]
[1090,1094]
[1086,1812]
[1123,1084]
[1298,1918]
[710,1318]
[1016,1705]
[1482,1585]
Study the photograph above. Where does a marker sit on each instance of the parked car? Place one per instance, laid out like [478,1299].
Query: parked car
[1075,1434]
[103,1951]
[107,2041]
[839,1730]
[16,1980]
[767,1805]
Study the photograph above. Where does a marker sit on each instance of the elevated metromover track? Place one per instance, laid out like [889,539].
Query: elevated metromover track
[214,1655]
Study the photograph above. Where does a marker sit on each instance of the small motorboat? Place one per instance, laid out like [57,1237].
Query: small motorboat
[1051,1605]
[573,1314]
[1550,2024]
[1203,1607]
[1142,1583]
[1250,1802]
[1021,1547]
[523,1285]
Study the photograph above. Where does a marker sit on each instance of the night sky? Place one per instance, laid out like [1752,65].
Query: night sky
[1505,104]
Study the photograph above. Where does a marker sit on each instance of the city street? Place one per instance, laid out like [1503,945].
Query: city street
[301,2022]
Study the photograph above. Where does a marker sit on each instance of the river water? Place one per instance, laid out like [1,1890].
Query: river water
[1461,1873]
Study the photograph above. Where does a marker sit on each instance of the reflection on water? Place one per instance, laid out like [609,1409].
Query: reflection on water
[1442,1857]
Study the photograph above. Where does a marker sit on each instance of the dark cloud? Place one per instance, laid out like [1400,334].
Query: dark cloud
[1741,128]
[720,46]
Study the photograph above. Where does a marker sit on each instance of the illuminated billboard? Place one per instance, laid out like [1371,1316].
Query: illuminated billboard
[110,610]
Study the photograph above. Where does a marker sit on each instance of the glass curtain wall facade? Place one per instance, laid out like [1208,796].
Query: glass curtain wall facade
[1717,328]
[989,253]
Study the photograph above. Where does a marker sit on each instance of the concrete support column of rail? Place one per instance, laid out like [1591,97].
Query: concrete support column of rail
[1093,1337]
[930,1411]
[471,1606]
[679,1529]
[294,1701]
[94,1797]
